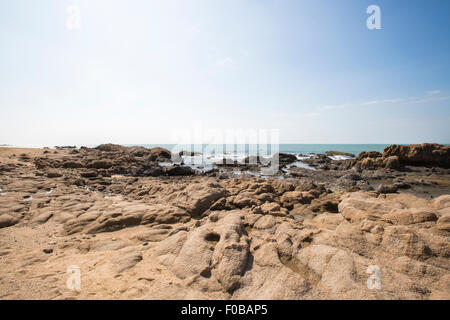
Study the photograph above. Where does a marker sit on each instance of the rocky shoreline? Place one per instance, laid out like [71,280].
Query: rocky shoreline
[141,224]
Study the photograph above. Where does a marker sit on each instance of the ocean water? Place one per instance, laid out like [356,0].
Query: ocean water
[245,150]
[207,155]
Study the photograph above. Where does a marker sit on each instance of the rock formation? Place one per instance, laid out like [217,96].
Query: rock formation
[136,231]
[396,156]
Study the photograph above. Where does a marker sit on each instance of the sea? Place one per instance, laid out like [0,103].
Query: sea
[243,150]
[206,155]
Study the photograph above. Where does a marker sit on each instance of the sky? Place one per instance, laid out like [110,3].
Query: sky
[142,71]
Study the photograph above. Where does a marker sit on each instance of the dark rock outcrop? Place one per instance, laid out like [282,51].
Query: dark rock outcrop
[426,154]
[397,156]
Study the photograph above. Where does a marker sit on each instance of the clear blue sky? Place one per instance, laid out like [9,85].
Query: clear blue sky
[137,70]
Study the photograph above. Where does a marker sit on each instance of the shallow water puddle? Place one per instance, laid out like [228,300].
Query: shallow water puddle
[299,164]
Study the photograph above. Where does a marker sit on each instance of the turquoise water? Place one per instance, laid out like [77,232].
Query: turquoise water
[322,148]
[286,148]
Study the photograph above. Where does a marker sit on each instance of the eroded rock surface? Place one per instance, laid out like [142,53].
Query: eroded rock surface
[207,237]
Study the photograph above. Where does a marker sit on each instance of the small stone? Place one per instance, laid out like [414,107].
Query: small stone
[382,188]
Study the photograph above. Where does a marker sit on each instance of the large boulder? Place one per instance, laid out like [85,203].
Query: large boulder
[284,158]
[159,154]
[383,188]
[176,170]
[426,154]
[368,154]
[396,156]
[392,162]
[370,163]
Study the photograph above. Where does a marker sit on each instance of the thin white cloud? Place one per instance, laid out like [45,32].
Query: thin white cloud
[434,92]
[381,101]
[430,100]
[410,100]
